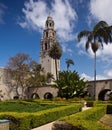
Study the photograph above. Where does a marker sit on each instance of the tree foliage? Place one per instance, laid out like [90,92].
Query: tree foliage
[23,72]
[49,77]
[55,52]
[70,84]
[69,62]
[35,78]
[101,33]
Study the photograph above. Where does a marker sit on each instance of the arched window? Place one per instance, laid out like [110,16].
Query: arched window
[46,34]
[45,46]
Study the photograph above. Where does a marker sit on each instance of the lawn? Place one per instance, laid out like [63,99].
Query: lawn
[26,106]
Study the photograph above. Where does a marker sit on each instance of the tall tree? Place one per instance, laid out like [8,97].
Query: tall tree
[18,69]
[69,62]
[101,33]
[22,72]
[55,52]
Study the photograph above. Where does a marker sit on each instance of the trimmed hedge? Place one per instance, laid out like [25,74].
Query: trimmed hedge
[18,121]
[86,120]
[54,114]
[26,121]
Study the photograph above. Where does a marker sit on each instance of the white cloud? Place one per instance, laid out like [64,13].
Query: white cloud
[66,49]
[36,12]
[107,75]
[34,15]
[2,12]
[86,77]
[101,10]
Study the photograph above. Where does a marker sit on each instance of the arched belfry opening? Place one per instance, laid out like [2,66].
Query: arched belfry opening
[49,38]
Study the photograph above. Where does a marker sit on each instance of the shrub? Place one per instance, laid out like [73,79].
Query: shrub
[25,121]
[86,120]
[54,114]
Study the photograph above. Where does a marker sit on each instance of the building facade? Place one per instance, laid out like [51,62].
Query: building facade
[49,38]
[102,90]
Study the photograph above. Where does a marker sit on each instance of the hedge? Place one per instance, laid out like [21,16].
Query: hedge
[47,116]
[86,120]
[26,121]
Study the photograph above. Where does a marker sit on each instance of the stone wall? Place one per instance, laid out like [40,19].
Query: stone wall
[102,87]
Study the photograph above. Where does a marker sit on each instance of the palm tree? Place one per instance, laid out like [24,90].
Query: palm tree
[101,33]
[55,52]
[69,62]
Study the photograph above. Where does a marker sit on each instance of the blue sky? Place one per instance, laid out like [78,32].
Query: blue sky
[22,23]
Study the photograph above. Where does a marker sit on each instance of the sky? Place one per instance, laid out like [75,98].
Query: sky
[22,23]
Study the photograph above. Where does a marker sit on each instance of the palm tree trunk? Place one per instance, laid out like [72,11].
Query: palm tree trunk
[95,76]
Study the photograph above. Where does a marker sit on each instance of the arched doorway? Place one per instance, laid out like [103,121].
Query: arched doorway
[16,97]
[48,95]
[103,95]
[34,96]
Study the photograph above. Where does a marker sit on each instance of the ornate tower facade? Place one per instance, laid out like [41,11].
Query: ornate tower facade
[49,37]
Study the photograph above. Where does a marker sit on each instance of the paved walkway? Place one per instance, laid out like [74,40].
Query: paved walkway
[49,125]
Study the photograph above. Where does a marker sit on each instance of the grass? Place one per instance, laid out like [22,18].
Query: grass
[24,106]
[106,120]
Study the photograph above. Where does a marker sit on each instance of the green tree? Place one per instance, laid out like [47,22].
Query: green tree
[69,62]
[101,33]
[70,84]
[55,52]
[36,77]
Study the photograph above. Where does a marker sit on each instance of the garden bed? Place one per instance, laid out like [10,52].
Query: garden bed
[26,119]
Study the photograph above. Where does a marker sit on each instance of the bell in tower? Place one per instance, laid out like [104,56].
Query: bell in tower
[49,37]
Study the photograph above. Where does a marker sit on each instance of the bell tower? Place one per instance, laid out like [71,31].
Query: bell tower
[49,37]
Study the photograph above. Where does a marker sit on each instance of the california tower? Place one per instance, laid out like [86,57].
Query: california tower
[49,37]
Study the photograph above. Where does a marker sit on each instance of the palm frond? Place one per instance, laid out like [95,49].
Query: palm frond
[83,33]
[100,41]
[87,45]
[99,25]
